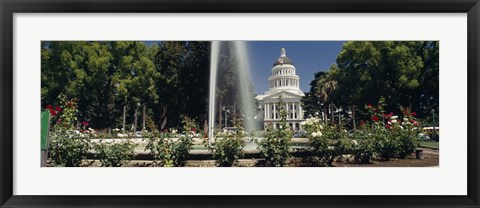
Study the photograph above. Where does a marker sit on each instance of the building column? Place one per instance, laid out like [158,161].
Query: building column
[264,111]
[268,110]
[294,109]
[274,111]
[300,114]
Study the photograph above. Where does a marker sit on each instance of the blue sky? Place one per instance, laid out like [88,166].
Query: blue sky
[308,57]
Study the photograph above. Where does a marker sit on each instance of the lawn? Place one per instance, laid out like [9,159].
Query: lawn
[430,144]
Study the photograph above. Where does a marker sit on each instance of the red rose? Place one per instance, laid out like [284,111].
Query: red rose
[59,121]
[194,129]
[414,122]
[85,123]
[53,113]
[375,118]
[370,105]
[388,126]
[414,114]
[69,104]
[362,123]
[49,107]
[58,109]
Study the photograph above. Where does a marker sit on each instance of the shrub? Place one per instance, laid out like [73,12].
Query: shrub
[115,154]
[274,147]
[180,150]
[386,144]
[67,148]
[227,147]
[326,141]
[392,137]
[363,146]
[171,151]
[408,135]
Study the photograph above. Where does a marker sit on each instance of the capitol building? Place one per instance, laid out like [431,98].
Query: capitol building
[283,83]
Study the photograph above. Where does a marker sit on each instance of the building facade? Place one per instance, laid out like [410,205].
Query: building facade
[283,83]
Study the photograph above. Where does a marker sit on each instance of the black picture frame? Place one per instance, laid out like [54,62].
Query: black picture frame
[10,7]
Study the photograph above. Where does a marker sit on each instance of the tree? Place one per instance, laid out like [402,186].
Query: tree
[166,78]
[311,102]
[326,87]
[405,72]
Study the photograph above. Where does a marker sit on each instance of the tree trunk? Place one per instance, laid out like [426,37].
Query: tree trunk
[353,118]
[331,113]
[143,117]
[124,116]
[135,115]
[220,102]
[163,118]
[325,115]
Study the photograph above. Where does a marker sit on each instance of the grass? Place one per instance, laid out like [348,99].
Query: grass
[430,144]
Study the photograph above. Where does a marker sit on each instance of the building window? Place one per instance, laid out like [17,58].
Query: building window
[291,115]
[272,115]
[297,127]
[295,115]
[276,115]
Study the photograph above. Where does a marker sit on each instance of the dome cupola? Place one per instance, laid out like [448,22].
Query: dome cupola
[283,59]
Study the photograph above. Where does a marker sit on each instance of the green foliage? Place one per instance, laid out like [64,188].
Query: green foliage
[383,137]
[331,145]
[394,137]
[114,154]
[105,76]
[275,146]
[405,72]
[170,151]
[364,146]
[227,147]
[311,102]
[180,150]
[67,147]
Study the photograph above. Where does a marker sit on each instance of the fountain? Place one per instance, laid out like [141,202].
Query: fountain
[213,83]
[246,100]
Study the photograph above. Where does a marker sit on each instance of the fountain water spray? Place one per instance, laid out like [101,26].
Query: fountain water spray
[214,55]
[247,103]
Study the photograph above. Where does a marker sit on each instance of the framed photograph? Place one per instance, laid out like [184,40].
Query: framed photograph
[247,104]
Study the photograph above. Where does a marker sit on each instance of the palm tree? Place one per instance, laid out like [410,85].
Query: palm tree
[325,88]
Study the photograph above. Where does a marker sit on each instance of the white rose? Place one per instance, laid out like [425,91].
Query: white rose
[394,121]
[319,134]
[302,123]
[321,127]
[314,134]
[355,142]
[405,119]
[394,117]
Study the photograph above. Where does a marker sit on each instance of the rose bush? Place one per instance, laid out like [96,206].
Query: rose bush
[227,147]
